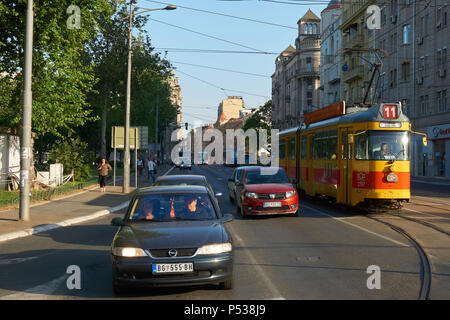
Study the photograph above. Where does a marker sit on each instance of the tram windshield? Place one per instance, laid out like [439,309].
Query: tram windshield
[382,145]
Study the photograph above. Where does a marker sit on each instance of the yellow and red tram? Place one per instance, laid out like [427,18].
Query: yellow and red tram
[356,158]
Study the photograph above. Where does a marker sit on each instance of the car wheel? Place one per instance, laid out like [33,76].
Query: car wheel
[243,214]
[226,285]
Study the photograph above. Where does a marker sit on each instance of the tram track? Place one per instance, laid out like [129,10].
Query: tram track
[425,269]
[425,266]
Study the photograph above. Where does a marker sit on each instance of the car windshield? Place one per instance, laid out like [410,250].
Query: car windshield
[168,207]
[266,176]
[382,145]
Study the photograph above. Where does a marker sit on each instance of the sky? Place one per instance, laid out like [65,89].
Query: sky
[203,88]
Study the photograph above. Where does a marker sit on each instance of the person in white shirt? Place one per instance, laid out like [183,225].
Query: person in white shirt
[151,166]
[140,164]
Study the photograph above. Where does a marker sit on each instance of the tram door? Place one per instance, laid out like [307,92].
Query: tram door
[346,148]
[310,169]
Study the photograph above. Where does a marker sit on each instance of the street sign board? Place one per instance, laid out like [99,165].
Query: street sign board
[118,137]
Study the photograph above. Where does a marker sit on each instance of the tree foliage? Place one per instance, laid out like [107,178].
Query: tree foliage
[261,118]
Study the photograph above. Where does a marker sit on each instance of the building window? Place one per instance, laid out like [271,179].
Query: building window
[444,100]
[422,26]
[427,105]
[406,71]
[407,34]
[444,58]
[422,105]
[439,101]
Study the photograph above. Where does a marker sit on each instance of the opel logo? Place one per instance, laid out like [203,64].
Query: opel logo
[172,253]
[272,196]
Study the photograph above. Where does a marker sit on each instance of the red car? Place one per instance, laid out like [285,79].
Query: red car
[265,190]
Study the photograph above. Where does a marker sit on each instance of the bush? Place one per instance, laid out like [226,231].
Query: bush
[73,155]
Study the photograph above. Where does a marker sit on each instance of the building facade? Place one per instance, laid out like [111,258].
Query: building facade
[230,107]
[330,62]
[415,71]
[295,81]
[357,51]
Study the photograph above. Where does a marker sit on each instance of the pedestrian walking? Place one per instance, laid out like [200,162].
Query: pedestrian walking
[151,167]
[140,164]
[103,169]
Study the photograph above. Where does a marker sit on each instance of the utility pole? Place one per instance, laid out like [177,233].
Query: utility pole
[126,147]
[156,123]
[25,143]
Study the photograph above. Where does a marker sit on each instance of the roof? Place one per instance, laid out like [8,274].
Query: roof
[309,15]
[172,189]
[333,4]
[289,50]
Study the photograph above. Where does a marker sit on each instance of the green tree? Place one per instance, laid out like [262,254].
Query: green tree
[71,152]
[261,119]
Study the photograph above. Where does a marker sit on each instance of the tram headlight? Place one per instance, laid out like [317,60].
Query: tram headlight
[391,177]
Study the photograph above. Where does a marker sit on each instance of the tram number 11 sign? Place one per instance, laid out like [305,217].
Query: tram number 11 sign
[390,112]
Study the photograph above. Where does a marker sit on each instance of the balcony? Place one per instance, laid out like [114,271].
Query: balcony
[354,9]
[309,71]
[355,41]
[310,44]
[353,74]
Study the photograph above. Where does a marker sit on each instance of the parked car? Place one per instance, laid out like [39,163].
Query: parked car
[265,190]
[233,180]
[171,236]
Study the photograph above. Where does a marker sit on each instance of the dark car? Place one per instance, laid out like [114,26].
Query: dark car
[185,179]
[233,180]
[265,190]
[172,236]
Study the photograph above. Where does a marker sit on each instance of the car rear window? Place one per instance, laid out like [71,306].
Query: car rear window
[169,206]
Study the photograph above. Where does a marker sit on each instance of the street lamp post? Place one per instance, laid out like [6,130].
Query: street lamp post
[126,157]
[25,137]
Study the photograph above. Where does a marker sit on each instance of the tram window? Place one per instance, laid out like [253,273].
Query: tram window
[292,148]
[344,145]
[388,145]
[303,147]
[361,147]
[282,153]
[332,145]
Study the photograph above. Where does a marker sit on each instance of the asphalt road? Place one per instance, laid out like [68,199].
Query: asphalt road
[323,253]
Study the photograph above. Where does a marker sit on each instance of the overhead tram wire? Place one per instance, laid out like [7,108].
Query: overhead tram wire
[208,36]
[221,88]
[220,69]
[193,50]
[227,15]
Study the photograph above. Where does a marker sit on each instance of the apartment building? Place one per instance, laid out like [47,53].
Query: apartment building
[230,107]
[295,81]
[415,71]
[357,50]
[330,62]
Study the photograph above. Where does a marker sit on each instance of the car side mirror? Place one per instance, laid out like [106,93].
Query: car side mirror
[227,217]
[118,222]
[218,195]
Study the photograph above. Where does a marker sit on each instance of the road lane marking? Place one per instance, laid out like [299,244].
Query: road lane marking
[16,260]
[276,294]
[39,292]
[358,227]
[168,171]
[428,214]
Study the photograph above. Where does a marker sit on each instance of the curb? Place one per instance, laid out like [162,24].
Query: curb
[65,223]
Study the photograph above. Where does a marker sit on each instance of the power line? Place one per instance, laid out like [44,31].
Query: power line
[227,15]
[207,35]
[220,88]
[193,50]
[220,69]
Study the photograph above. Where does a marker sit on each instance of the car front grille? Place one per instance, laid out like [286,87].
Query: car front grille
[266,196]
[164,253]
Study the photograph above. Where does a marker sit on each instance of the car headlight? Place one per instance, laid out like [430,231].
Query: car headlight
[251,195]
[215,248]
[128,252]
[291,193]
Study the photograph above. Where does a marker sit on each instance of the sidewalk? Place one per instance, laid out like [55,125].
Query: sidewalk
[76,208]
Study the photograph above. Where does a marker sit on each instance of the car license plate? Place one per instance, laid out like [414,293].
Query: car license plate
[173,267]
[272,204]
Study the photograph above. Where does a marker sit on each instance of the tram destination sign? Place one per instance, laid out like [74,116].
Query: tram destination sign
[334,110]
